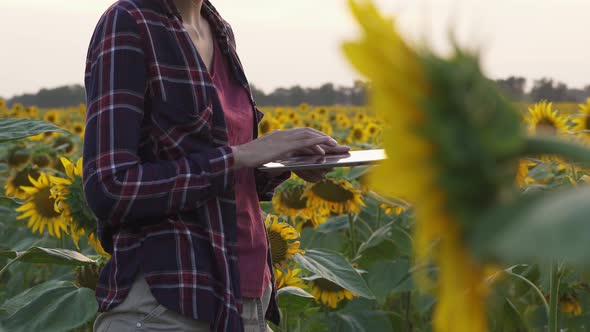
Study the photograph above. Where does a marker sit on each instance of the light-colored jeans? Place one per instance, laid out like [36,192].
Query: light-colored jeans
[140,311]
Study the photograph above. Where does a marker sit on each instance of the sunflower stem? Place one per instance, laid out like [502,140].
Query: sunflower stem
[352,235]
[379,218]
[546,145]
[554,280]
[5,268]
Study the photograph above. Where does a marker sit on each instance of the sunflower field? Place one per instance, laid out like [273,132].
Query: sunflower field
[477,221]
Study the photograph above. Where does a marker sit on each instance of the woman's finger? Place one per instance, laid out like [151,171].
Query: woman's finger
[308,142]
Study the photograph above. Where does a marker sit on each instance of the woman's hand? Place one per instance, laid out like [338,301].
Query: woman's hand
[280,144]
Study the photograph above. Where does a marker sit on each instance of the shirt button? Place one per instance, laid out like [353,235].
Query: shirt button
[138,324]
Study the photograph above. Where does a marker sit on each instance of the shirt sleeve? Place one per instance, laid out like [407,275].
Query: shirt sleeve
[119,186]
[266,183]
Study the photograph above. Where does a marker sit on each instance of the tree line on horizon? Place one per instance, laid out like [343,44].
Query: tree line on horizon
[514,88]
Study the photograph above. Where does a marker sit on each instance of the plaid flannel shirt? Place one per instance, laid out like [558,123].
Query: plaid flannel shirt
[157,167]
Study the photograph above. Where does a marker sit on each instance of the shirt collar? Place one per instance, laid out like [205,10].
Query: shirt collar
[170,9]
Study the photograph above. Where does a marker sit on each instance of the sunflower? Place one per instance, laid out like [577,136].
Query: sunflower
[543,119]
[78,129]
[288,199]
[303,107]
[69,200]
[41,160]
[338,196]
[40,208]
[449,134]
[32,112]
[282,238]
[582,123]
[343,122]
[51,116]
[64,143]
[13,184]
[17,107]
[360,117]
[372,130]
[291,115]
[329,293]
[267,125]
[524,166]
[322,111]
[289,278]
[571,306]
[2,103]
[357,133]
[17,156]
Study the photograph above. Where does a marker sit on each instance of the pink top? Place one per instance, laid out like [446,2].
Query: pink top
[239,118]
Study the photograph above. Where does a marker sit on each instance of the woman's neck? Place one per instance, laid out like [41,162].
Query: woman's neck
[190,10]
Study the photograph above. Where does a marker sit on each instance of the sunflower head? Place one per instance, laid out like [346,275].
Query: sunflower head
[13,184]
[70,200]
[582,123]
[334,195]
[17,156]
[289,277]
[78,129]
[40,209]
[17,107]
[570,305]
[543,119]
[283,241]
[328,293]
[51,116]
[87,275]
[451,142]
[63,143]
[41,160]
[358,133]
[288,199]
[267,125]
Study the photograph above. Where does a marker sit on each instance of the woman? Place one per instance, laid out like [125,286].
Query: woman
[170,157]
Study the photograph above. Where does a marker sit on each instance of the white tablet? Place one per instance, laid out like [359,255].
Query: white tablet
[352,158]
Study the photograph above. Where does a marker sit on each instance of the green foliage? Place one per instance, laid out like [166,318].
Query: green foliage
[49,307]
[12,129]
[333,267]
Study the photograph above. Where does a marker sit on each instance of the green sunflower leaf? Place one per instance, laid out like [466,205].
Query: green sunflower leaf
[48,255]
[334,224]
[294,291]
[334,267]
[13,129]
[537,228]
[49,307]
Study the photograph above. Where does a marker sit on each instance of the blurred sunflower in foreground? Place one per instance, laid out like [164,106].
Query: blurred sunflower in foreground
[451,144]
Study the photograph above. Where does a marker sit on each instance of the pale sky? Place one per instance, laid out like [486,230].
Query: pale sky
[281,43]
